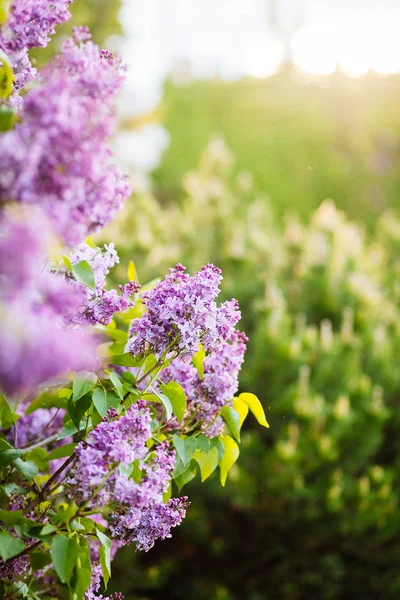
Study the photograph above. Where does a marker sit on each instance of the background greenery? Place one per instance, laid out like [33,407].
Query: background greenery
[312,509]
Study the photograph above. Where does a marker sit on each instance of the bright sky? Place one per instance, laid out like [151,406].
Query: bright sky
[233,38]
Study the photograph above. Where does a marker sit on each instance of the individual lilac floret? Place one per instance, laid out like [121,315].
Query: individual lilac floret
[153,523]
[206,396]
[59,156]
[181,312]
[30,23]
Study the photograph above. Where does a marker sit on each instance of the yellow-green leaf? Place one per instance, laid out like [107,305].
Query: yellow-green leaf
[91,243]
[256,407]
[231,454]
[67,262]
[6,76]
[176,394]
[132,274]
[207,462]
[3,11]
[198,361]
[241,408]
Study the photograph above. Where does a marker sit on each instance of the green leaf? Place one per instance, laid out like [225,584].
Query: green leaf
[4,445]
[117,384]
[6,76]
[7,415]
[207,462]
[40,457]
[8,456]
[82,384]
[125,360]
[176,394]
[62,451]
[77,409]
[137,472]
[88,524]
[9,545]
[256,407]
[232,419]
[105,556]
[13,517]
[83,273]
[83,573]
[100,401]
[231,454]
[198,361]
[65,393]
[188,474]
[48,529]
[64,555]
[27,468]
[12,489]
[165,401]
[39,560]
[47,400]
[68,429]
[184,448]
[7,118]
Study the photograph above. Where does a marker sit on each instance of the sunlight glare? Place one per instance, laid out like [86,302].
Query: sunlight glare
[264,57]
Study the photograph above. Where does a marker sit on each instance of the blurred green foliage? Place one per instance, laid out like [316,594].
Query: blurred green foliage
[303,142]
[312,511]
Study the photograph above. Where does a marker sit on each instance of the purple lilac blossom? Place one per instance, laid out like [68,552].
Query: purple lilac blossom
[15,569]
[58,156]
[92,592]
[100,259]
[40,423]
[181,312]
[101,305]
[113,442]
[206,396]
[30,23]
[35,344]
[154,522]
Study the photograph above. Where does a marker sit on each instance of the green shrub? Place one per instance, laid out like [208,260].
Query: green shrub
[313,509]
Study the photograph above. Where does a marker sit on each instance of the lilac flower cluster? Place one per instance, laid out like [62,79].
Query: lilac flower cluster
[101,476]
[15,569]
[35,344]
[206,396]
[113,442]
[101,305]
[30,24]
[101,260]
[181,312]
[58,156]
[155,523]
[92,592]
[40,423]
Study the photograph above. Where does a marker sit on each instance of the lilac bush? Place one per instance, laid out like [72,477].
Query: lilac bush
[111,398]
